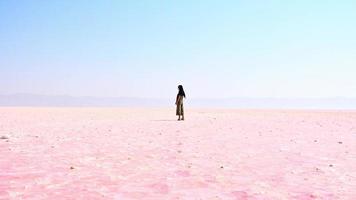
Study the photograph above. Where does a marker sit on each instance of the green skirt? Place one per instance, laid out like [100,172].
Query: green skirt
[180,109]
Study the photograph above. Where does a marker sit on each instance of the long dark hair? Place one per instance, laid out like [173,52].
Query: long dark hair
[181,91]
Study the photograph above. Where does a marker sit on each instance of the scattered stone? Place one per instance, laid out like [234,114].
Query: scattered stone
[4,137]
[72,167]
[331,165]
[312,196]
[222,167]
[315,140]
[179,151]
[340,142]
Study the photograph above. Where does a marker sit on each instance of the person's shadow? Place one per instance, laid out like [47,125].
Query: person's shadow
[164,120]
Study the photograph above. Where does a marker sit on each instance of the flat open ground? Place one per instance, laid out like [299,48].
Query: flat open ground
[139,153]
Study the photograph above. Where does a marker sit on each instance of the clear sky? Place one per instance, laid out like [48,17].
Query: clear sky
[215,48]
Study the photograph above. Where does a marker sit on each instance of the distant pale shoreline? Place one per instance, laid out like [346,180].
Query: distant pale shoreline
[29,100]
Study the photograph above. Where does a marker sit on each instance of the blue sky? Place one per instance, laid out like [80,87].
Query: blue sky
[251,48]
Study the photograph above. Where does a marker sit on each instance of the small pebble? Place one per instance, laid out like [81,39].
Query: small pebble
[72,167]
[4,138]
[340,142]
[222,167]
[330,165]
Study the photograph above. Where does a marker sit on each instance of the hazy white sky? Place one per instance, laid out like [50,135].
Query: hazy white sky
[251,48]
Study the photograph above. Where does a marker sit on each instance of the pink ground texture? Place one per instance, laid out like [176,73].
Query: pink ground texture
[141,153]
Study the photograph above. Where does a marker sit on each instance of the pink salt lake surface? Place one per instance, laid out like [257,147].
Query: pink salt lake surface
[134,153]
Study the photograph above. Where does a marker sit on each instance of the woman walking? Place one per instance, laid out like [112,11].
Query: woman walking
[179,103]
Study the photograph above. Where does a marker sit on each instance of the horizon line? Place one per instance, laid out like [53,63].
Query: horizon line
[165,98]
